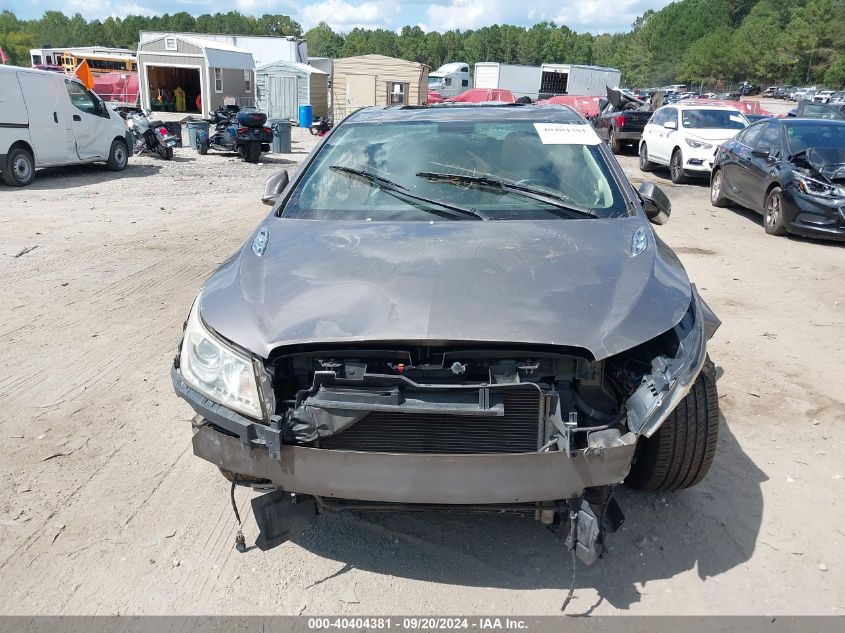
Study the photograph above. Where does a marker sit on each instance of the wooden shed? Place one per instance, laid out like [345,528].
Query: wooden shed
[368,80]
[281,87]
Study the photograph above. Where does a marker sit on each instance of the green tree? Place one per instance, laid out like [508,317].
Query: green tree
[323,41]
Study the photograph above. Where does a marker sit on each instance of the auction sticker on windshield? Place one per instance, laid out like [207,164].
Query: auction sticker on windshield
[566,134]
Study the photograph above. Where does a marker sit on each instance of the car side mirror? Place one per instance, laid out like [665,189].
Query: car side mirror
[274,186]
[670,125]
[655,203]
[761,153]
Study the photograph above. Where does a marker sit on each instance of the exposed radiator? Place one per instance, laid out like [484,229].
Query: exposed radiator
[518,431]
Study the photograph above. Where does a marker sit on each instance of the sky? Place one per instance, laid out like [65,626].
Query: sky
[596,16]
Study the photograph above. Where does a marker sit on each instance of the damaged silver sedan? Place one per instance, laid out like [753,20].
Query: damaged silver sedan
[454,308]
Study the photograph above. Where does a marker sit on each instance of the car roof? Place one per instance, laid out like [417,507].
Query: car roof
[797,122]
[468,112]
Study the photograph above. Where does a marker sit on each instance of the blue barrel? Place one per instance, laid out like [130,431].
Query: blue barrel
[193,128]
[306,115]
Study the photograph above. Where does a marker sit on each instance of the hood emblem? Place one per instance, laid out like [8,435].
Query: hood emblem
[259,242]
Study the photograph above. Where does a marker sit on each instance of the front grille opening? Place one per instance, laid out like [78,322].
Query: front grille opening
[519,430]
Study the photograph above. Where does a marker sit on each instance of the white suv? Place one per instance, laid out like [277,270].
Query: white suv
[685,138]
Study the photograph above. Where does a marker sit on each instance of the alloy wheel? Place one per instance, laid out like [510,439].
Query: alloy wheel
[676,166]
[773,211]
[716,187]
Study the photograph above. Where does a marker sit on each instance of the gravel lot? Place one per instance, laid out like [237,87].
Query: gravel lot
[104,509]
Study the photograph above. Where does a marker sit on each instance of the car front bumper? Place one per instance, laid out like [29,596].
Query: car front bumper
[243,446]
[811,217]
[421,478]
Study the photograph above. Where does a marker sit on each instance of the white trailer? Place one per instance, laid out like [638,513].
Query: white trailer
[575,79]
[522,81]
[450,80]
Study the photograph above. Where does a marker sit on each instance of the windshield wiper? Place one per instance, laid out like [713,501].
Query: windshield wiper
[400,191]
[558,201]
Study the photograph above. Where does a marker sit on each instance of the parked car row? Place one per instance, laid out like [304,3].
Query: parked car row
[791,170]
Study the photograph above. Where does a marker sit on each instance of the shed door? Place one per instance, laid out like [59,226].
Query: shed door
[360,90]
[281,97]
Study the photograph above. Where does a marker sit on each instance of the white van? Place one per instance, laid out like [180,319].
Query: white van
[49,119]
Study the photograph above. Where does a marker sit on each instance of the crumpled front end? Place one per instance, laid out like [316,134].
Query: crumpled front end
[451,423]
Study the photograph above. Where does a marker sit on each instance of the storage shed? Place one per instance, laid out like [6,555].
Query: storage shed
[281,87]
[368,80]
[212,71]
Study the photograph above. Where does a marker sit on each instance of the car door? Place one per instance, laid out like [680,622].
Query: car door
[50,128]
[661,147]
[651,128]
[760,169]
[91,123]
[735,172]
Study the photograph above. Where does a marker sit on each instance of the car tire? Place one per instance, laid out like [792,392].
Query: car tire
[681,452]
[645,164]
[118,156]
[717,190]
[773,212]
[613,142]
[676,168]
[19,169]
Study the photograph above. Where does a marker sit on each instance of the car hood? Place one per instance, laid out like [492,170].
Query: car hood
[712,134]
[827,161]
[571,283]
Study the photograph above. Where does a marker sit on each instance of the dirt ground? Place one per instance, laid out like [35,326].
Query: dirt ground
[104,509]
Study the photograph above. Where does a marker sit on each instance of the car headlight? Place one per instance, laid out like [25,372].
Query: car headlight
[671,379]
[697,144]
[817,188]
[217,370]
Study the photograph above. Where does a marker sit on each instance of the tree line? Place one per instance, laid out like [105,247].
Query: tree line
[716,43]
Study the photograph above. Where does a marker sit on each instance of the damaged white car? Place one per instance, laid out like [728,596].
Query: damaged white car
[454,308]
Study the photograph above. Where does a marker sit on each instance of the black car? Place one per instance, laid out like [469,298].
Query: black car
[790,170]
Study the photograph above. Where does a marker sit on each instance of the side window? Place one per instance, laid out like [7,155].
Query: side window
[247,81]
[657,118]
[448,81]
[464,69]
[218,80]
[770,139]
[81,98]
[750,135]
[170,44]
[671,114]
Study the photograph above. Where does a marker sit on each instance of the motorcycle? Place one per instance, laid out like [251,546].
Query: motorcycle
[320,126]
[150,134]
[238,130]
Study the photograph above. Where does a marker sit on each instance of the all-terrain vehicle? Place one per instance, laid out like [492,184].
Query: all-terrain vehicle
[238,130]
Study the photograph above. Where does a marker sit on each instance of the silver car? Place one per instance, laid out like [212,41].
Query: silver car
[459,307]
